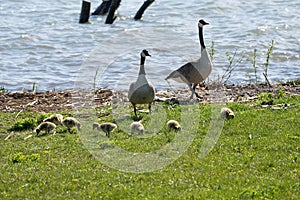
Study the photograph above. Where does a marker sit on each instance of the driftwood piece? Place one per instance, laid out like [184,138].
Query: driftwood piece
[27,137]
[9,136]
[18,114]
[85,12]
[103,8]
[142,9]
[111,13]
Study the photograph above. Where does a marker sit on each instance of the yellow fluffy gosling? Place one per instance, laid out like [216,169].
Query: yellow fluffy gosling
[55,118]
[227,113]
[45,126]
[137,127]
[71,122]
[173,125]
[107,127]
[96,125]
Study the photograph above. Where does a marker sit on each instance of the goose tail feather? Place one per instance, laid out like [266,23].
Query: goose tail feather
[177,76]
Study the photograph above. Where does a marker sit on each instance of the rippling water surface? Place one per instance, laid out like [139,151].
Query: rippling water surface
[42,42]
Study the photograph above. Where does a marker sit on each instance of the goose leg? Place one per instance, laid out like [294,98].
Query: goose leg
[193,91]
[134,109]
[149,108]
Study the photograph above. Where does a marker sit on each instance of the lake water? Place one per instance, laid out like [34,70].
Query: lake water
[42,42]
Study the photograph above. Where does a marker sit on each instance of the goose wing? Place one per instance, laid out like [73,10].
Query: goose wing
[183,74]
[203,65]
[141,91]
[194,71]
[131,90]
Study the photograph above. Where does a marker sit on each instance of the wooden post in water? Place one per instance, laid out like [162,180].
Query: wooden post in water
[111,13]
[85,12]
[142,9]
[103,8]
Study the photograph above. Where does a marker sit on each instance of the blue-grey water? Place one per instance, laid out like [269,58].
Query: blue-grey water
[42,42]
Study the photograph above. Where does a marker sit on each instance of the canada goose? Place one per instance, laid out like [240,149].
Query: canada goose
[55,118]
[70,122]
[137,127]
[141,91]
[227,113]
[45,126]
[194,72]
[173,124]
[107,127]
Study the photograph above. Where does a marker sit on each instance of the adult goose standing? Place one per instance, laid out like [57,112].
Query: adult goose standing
[141,91]
[195,71]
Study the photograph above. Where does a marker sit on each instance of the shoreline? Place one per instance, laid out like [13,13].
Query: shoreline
[51,101]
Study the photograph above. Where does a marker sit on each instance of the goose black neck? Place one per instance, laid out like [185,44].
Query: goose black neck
[142,68]
[201,37]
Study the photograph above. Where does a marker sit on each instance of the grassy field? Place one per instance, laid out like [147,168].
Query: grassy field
[256,157]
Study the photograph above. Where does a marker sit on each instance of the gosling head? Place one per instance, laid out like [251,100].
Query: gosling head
[145,53]
[202,23]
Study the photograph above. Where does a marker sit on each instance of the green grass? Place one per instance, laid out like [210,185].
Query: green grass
[256,157]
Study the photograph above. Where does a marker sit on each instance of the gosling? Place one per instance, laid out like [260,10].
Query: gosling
[55,118]
[173,125]
[137,127]
[71,122]
[227,113]
[96,125]
[107,127]
[45,126]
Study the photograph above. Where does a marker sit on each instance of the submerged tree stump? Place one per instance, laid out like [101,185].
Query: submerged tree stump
[112,9]
[85,12]
[103,8]
[142,9]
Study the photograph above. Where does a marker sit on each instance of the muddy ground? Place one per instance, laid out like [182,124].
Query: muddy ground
[52,101]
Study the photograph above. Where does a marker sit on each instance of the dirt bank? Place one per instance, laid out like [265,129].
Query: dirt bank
[51,101]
